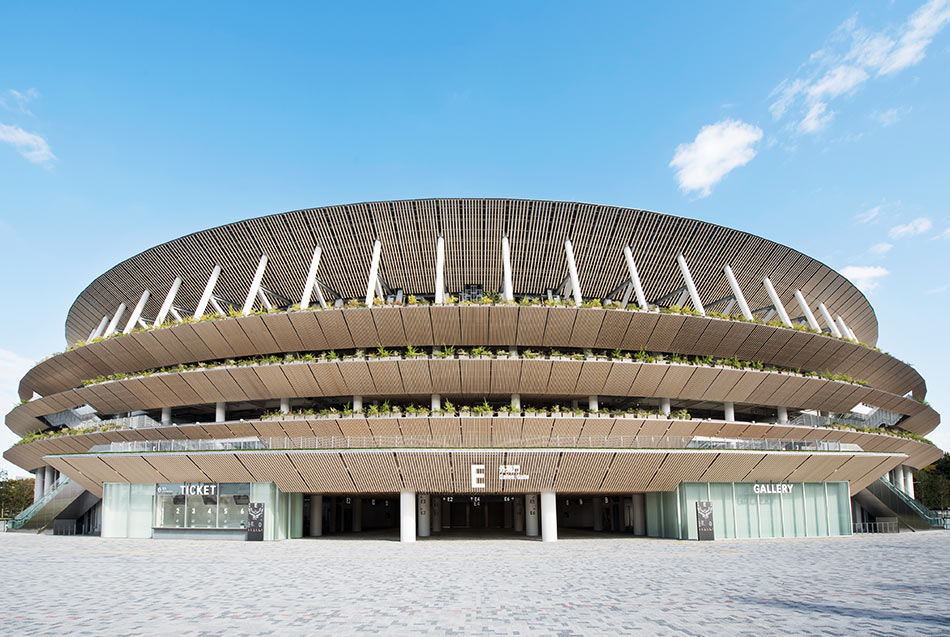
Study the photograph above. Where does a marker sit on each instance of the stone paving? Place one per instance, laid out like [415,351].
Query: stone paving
[584,584]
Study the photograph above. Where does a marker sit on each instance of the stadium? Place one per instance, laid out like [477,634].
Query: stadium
[480,367]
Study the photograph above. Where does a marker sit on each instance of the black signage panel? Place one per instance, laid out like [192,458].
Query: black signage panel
[255,522]
[704,521]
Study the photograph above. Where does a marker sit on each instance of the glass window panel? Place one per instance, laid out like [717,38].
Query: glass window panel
[232,505]
[817,510]
[140,510]
[653,514]
[201,511]
[724,521]
[115,509]
[747,518]
[670,516]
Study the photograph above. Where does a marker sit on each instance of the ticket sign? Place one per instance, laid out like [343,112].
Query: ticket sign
[704,520]
[255,522]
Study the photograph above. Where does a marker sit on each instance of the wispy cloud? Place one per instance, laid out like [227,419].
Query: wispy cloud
[30,145]
[943,235]
[717,150]
[889,117]
[14,100]
[849,59]
[913,228]
[865,277]
[868,215]
[881,248]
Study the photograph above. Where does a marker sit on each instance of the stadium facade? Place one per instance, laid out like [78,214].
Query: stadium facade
[494,365]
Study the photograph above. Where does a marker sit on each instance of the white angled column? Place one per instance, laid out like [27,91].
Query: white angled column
[425,515]
[845,332]
[407,516]
[572,272]
[909,481]
[665,406]
[593,404]
[220,412]
[312,281]
[136,312]
[50,479]
[635,278]
[825,314]
[255,286]
[285,405]
[782,413]
[548,516]
[812,322]
[167,303]
[39,478]
[639,514]
[729,410]
[100,329]
[439,270]
[436,403]
[690,286]
[776,302]
[737,293]
[531,515]
[316,515]
[508,292]
[373,281]
[166,416]
[114,323]
[208,291]
[357,404]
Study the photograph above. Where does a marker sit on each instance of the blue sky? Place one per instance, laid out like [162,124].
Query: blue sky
[821,125]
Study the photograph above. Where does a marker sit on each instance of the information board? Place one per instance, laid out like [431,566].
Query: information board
[255,522]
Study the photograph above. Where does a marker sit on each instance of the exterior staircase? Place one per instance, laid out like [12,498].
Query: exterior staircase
[883,499]
[40,515]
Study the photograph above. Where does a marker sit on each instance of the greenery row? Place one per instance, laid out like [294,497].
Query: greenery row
[486,300]
[450,351]
[385,410]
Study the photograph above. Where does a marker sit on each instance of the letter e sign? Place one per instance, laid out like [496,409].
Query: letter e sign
[478,476]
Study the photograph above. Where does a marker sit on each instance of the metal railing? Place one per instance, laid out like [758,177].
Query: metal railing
[875,527]
[458,441]
[27,514]
[923,512]
[877,418]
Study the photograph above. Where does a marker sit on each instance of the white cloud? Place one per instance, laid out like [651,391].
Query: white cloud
[881,248]
[918,32]
[919,225]
[865,277]
[943,235]
[718,149]
[889,117]
[14,100]
[868,215]
[816,119]
[31,146]
[838,81]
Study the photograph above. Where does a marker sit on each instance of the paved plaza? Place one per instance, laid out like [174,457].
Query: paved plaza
[584,584]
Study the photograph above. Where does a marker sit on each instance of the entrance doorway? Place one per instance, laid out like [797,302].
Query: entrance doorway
[477,513]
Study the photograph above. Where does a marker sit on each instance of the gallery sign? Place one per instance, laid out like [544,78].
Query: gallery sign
[772,488]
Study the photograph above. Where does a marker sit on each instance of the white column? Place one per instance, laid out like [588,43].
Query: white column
[730,411]
[845,330]
[507,289]
[357,504]
[39,478]
[519,513]
[812,322]
[693,292]
[531,515]
[665,406]
[598,513]
[407,516]
[220,412]
[114,323]
[572,272]
[639,514]
[635,278]
[737,293]
[782,413]
[285,405]
[50,479]
[311,281]
[357,404]
[208,291]
[516,400]
[593,404]
[440,270]
[373,272]
[166,416]
[167,303]
[435,503]
[548,516]
[425,513]
[777,302]
[909,481]
[825,314]
[99,329]
[255,286]
[136,312]
[264,300]
[316,515]
[436,402]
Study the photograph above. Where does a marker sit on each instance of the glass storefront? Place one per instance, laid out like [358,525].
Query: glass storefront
[201,506]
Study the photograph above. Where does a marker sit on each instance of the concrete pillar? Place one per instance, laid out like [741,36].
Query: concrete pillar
[436,402]
[316,515]
[166,416]
[285,405]
[357,515]
[908,481]
[639,514]
[519,514]
[730,411]
[39,477]
[665,406]
[220,412]
[598,513]
[548,516]
[357,404]
[857,514]
[407,516]
[531,515]
[436,506]
[425,515]
[782,413]
[50,479]
[593,404]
